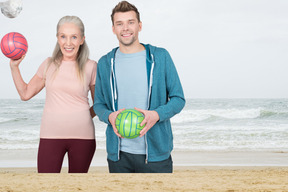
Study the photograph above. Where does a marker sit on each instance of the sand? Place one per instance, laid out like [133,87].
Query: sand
[224,179]
[193,171]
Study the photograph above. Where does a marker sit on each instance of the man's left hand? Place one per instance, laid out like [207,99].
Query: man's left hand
[150,119]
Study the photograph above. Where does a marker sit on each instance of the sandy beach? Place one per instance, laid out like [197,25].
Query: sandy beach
[224,179]
[193,171]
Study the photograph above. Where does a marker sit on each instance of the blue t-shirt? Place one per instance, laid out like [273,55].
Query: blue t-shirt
[132,87]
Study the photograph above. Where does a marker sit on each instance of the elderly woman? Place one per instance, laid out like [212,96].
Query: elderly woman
[67,124]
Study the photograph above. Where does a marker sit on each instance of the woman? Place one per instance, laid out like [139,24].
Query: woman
[66,124]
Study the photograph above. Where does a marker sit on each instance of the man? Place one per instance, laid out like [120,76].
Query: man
[142,77]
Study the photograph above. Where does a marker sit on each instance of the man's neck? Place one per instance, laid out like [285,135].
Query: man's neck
[132,48]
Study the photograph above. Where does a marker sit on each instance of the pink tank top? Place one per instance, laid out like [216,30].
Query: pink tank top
[66,112]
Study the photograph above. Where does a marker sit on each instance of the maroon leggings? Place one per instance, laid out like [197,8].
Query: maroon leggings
[51,154]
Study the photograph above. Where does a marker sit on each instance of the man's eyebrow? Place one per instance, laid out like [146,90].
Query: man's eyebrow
[122,21]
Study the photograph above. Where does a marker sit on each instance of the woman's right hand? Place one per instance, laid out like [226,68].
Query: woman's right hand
[16,63]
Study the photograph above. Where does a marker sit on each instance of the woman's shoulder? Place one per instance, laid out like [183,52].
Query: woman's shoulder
[45,62]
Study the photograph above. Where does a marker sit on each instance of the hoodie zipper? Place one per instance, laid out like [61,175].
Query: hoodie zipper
[149,94]
[114,98]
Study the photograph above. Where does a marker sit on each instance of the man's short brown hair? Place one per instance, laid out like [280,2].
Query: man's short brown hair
[124,6]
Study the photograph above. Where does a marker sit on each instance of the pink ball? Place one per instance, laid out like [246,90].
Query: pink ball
[14,45]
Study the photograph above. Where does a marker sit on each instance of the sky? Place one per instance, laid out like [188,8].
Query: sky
[221,48]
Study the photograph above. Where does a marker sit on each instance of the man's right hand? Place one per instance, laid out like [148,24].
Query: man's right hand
[112,120]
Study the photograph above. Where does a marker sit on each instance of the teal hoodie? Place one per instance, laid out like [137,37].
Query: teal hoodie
[165,96]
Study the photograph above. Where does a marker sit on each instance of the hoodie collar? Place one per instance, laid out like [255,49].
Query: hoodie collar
[147,48]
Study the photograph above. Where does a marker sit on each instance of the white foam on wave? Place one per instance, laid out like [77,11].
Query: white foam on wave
[3,119]
[203,114]
[199,127]
[237,137]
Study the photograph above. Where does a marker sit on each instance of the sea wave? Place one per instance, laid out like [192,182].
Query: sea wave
[4,120]
[227,125]
[8,120]
[265,114]
[189,116]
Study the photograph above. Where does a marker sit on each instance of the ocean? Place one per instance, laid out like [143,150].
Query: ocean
[203,125]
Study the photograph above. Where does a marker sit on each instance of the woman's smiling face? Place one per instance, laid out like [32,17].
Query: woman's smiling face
[69,38]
